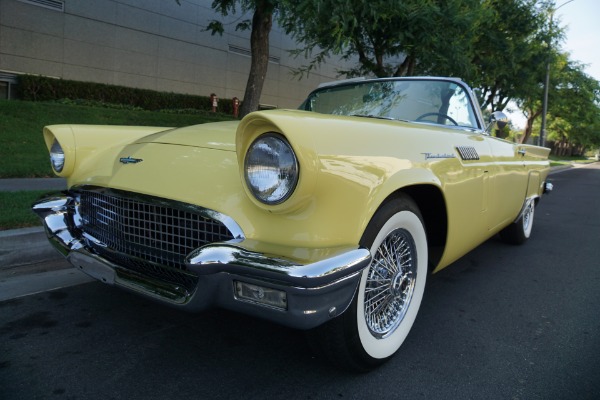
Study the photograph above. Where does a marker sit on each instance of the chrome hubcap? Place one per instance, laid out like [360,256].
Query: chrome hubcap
[390,283]
[527,217]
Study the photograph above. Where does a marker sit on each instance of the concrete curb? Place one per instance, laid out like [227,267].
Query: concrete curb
[26,246]
[25,184]
[561,168]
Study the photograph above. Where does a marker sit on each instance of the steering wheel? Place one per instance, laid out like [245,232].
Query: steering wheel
[431,114]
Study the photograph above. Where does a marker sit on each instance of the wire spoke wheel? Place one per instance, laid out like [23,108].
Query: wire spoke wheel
[390,283]
[389,294]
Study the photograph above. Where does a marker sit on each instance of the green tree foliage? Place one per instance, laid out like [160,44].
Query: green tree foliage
[387,37]
[496,45]
[575,107]
[510,51]
[530,100]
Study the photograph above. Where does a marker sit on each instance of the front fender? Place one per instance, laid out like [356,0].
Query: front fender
[346,179]
[402,180]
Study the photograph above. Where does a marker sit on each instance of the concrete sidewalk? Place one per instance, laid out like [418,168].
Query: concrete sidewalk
[29,264]
[20,184]
[26,251]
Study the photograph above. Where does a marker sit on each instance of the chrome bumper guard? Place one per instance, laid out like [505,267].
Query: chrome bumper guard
[314,292]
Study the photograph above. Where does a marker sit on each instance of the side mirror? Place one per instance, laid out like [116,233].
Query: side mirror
[498,120]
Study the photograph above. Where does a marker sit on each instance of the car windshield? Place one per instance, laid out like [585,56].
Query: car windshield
[443,102]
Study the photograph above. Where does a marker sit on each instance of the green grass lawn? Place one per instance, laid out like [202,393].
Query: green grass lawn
[561,161]
[16,209]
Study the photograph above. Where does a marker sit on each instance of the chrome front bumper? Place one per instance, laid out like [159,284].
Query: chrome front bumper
[313,292]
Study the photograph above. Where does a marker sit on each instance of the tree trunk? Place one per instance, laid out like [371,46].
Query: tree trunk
[407,67]
[529,125]
[262,21]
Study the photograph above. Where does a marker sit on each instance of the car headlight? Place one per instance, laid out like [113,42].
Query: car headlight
[57,156]
[271,169]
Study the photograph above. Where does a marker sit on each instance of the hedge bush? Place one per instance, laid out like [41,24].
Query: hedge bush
[40,88]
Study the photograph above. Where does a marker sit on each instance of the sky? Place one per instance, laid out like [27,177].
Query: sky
[581,18]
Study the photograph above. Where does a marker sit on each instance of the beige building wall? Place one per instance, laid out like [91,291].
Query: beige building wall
[150,44]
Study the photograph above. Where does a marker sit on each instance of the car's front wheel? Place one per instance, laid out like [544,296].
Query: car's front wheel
[389,295]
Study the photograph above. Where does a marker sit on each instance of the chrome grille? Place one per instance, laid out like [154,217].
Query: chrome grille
[147,235]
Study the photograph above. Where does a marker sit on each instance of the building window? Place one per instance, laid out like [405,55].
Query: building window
[57,5]
[8,84]
[4,90]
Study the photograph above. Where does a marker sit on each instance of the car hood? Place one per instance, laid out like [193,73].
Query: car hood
[217,135]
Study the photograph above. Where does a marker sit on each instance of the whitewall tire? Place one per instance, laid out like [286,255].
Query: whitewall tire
[385,306]
[392,288]
[519,231]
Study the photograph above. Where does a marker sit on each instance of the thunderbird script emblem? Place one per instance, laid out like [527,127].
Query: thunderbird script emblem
[130,160]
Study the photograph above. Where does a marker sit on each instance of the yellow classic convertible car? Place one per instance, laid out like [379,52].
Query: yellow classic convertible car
[328,218]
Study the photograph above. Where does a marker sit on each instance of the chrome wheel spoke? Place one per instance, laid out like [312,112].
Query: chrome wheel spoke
[390,283]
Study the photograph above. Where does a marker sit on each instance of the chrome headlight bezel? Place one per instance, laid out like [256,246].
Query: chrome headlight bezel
[57,156]
[271,169]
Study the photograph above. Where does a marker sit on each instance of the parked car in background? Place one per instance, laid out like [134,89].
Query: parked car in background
[327,219]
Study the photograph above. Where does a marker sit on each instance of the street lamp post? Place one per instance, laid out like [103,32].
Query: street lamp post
[542,141]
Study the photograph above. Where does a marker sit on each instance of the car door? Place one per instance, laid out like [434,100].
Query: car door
[508,181]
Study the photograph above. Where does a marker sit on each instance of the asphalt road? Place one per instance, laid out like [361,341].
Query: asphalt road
[504,322]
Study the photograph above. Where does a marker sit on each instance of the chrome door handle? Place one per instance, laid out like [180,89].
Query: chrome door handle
[522,152]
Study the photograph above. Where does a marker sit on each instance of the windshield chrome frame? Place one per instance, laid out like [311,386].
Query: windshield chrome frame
[469,92]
